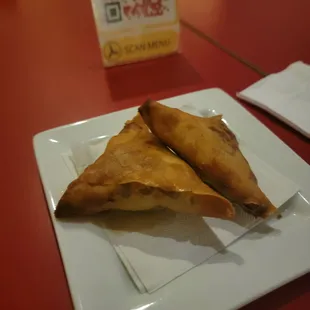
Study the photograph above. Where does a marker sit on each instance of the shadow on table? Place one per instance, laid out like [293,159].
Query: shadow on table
[148,77]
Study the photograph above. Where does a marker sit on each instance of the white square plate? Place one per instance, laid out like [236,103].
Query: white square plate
[269,259]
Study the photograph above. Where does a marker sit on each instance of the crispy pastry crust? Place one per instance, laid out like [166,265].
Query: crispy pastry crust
[137,172]
[210,147]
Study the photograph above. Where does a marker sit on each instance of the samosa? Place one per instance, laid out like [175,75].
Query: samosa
[137,172]
[212,149]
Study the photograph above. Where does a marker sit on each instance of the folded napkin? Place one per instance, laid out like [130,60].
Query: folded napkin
[286,95]
[157,247]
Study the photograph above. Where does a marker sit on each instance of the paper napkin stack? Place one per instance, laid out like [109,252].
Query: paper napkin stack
[286,95]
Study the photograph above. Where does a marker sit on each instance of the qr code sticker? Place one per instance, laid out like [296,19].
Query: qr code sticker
[113,12]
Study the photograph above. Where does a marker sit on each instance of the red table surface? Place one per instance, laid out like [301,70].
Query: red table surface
[269,33]
[51,74]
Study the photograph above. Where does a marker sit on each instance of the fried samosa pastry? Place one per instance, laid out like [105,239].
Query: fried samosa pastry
[209,146]
[137,172]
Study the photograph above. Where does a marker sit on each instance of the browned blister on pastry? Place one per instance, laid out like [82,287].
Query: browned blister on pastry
[137,172]
[210,147]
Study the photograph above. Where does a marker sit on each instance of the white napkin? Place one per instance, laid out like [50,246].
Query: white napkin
[286,95]
[170,244]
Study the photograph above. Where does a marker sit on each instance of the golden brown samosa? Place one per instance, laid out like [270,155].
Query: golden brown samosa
[137,172]
[210,147]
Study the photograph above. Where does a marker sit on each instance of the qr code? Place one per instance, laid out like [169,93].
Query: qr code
[113,12]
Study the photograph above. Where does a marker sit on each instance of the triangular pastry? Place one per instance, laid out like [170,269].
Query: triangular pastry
[137,172]
[210,147]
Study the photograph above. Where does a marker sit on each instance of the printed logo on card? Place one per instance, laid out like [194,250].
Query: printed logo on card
[145,8]
[112,51]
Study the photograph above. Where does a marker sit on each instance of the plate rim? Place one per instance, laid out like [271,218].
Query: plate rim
[41,135]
